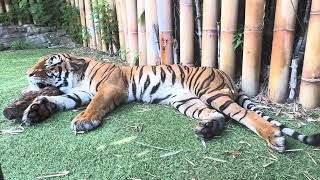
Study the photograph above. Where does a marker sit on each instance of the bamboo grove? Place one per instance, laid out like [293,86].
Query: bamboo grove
[229,35]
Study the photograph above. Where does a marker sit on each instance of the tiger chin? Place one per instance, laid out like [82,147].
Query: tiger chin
[203,93]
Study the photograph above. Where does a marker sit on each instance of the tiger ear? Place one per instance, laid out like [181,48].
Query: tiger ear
[77,64]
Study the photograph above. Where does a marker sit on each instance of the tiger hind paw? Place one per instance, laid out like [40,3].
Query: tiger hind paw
[277,142]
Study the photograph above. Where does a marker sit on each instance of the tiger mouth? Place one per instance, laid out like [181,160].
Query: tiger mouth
[40,82]
[42,85]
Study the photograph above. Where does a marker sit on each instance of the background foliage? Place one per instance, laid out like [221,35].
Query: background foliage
[45,13]
[106,23]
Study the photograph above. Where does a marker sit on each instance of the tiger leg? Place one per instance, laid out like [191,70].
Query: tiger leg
[211,122]
[270,133]
[44,106]
[244,101]
[106,99]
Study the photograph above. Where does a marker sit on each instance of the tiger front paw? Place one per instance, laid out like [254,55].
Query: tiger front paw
[207,129]
[84,122]
[39,110]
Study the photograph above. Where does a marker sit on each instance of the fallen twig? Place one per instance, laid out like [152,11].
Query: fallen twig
[203,143]
[152,175]
[170,154]
[12,131]
[306,176]
[243,142]
[154,147]
[312,159]
[275,157]
[268,164]
[214,159]
[79,132]
[294,150]
[190,162]
[59,174]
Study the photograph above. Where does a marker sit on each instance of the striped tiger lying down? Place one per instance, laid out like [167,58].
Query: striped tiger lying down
[203,93]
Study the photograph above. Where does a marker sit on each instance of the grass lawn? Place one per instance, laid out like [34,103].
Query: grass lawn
[138,142]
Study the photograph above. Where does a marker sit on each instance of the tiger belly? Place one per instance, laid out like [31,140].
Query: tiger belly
[152,84]
[163,95]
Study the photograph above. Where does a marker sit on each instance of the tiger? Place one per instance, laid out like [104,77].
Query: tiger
[203,93]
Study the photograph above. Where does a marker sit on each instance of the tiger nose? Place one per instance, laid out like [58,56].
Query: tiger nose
[31,72]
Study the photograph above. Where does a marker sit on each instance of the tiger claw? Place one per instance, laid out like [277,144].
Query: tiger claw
[277,142]
[82,123]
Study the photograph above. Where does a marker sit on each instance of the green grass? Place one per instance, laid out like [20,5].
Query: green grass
[118,150]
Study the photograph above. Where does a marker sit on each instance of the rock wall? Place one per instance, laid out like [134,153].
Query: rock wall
[39,37]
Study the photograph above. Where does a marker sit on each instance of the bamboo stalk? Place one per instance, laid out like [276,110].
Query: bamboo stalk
[2,8]
[252,46]
[132,31]
[310,81]
[104,47]
[198,20]
[218,41]
[298,53]
[282,45]
[31,3]
[125,26]
[26,19]
[209,33]
[175,51]
[97,27]
[72,3]
[20,22]
[151,36]
[164,9]
[115,44]
[229,17]
[186,33]
[90,24]
[120,25]
[76,3]
[142,33]
[176,31]
[7,5]
[83,22]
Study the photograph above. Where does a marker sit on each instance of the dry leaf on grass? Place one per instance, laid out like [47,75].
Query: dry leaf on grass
[268,164]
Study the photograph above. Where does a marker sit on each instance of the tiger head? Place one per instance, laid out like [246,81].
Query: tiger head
[59,70]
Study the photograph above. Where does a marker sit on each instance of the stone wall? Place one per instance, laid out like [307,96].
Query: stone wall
[39,37]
